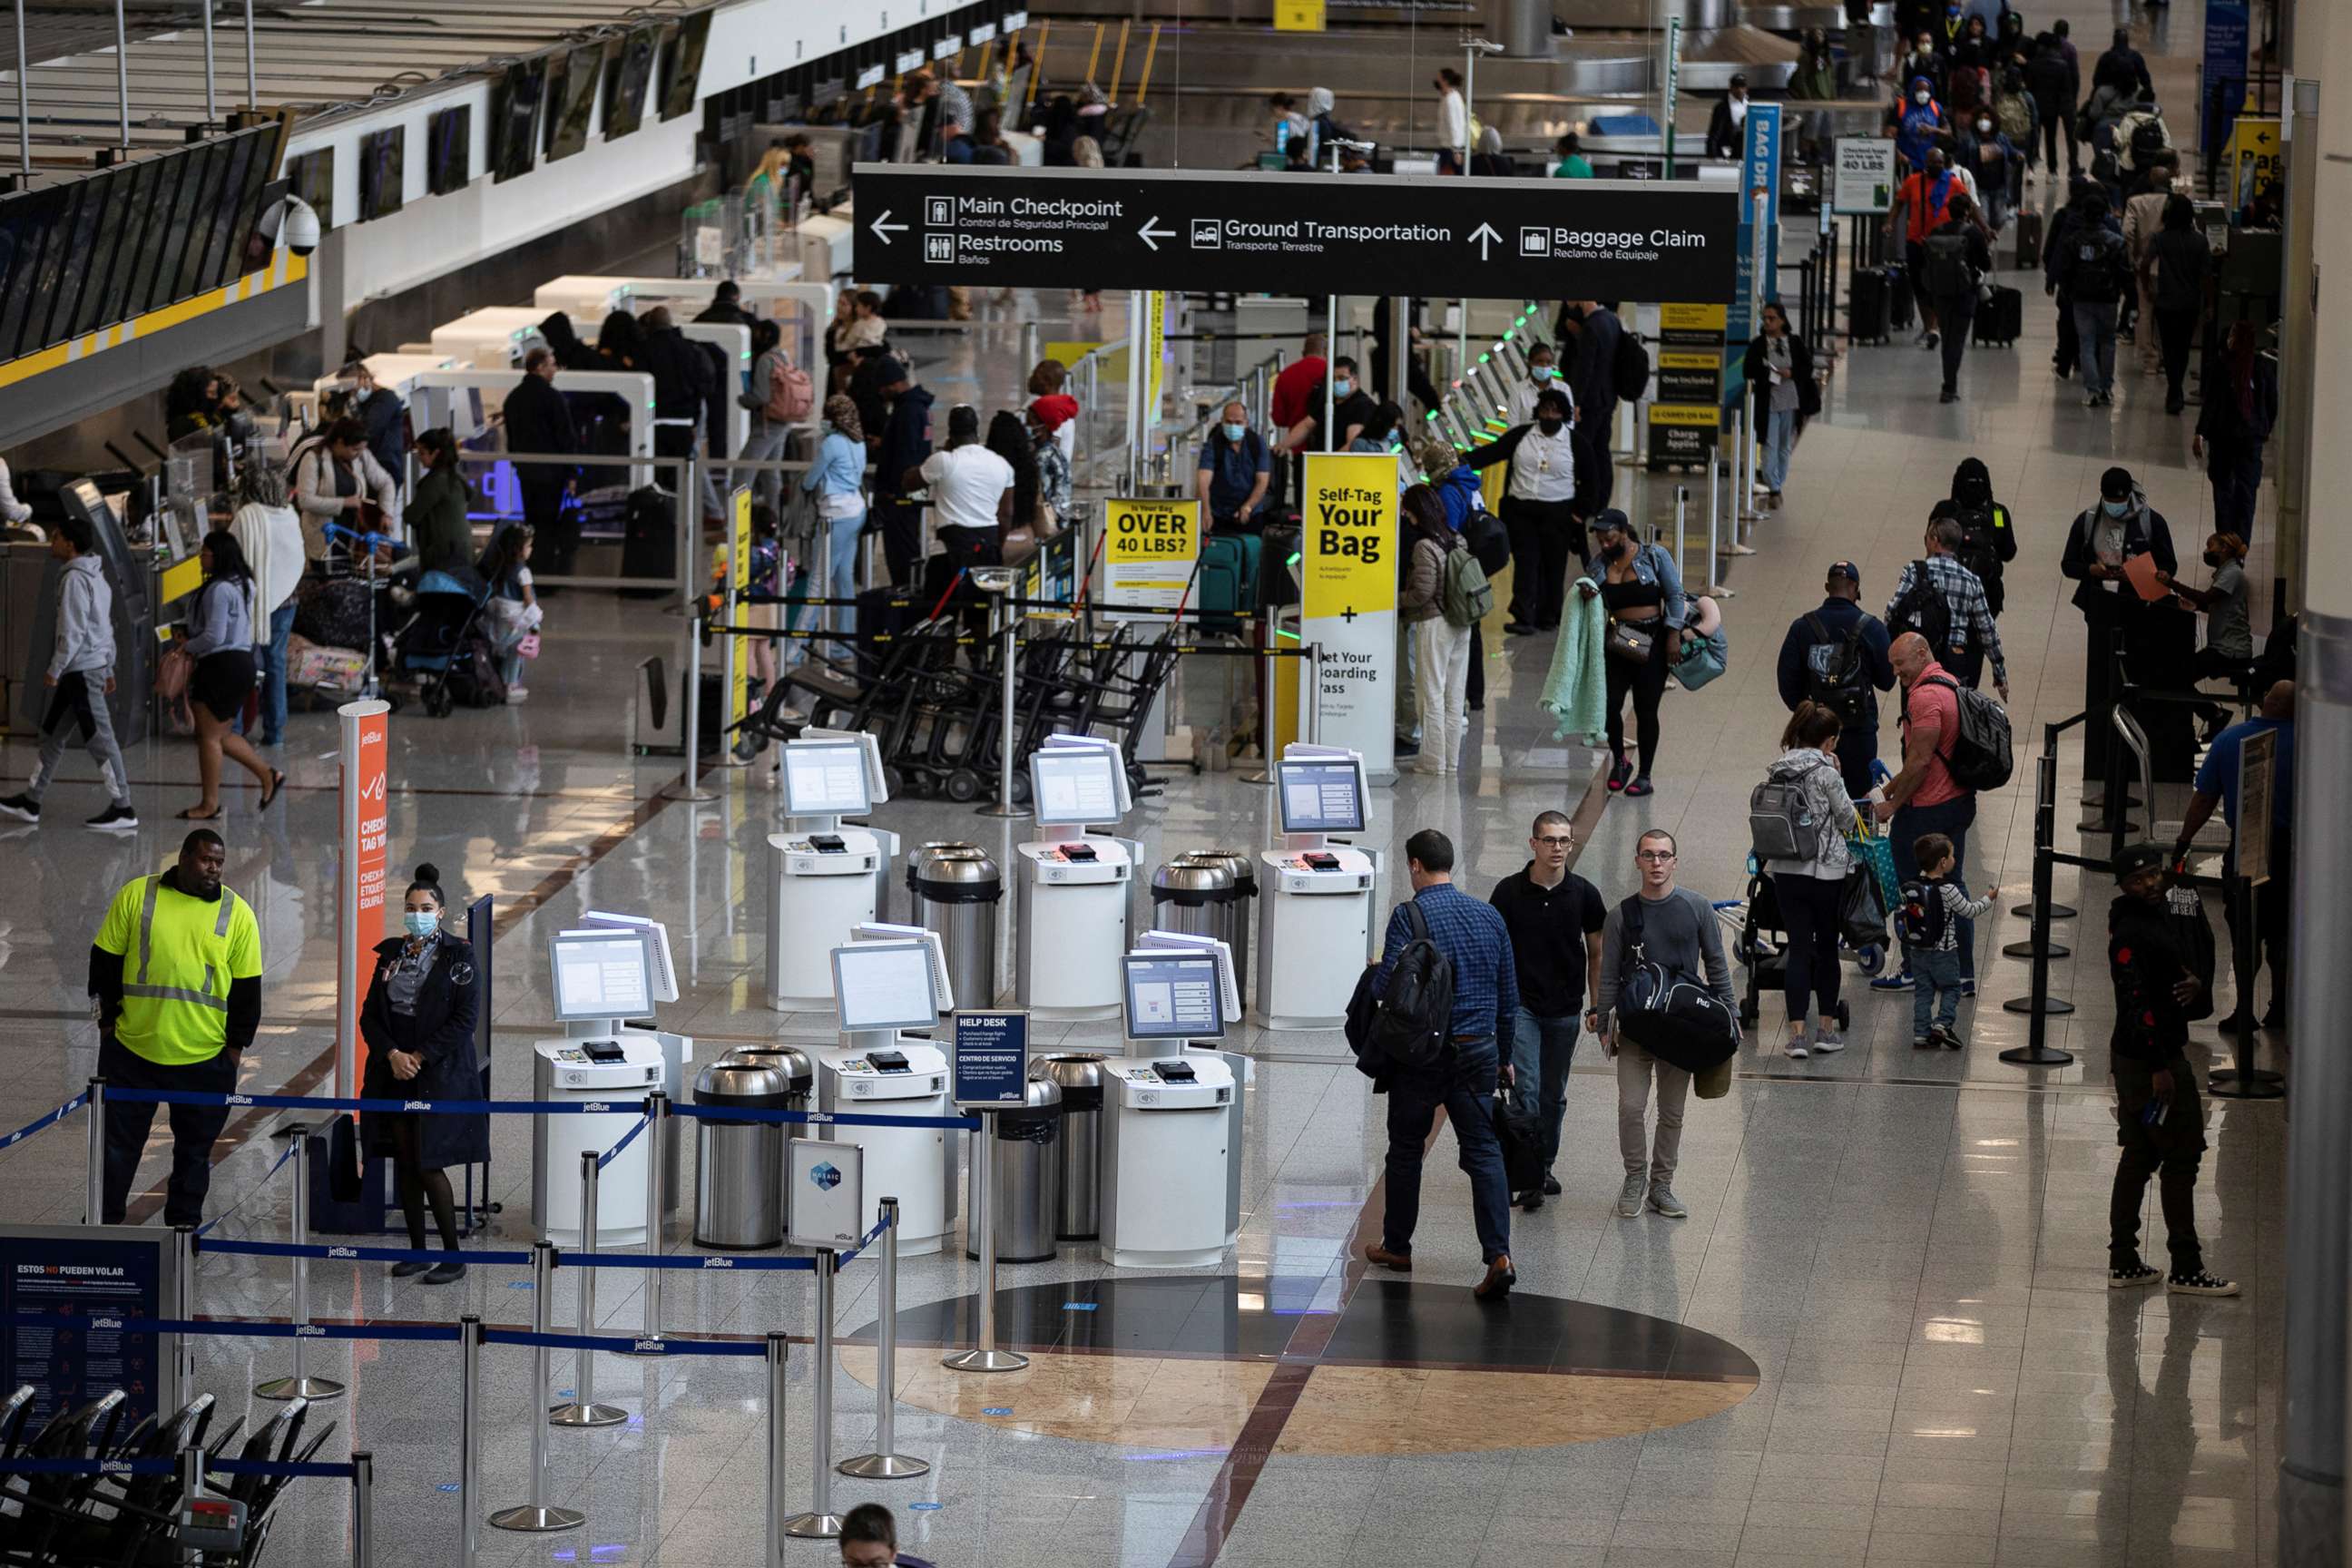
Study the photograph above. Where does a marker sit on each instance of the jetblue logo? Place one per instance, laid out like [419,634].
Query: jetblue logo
[719,1263]
[593,1106]
[239,1098]
[415,1105]
[342,1252]
[650,1347]
[106,1323]
[308,1332]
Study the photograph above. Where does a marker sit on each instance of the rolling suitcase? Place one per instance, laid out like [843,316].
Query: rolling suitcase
[2000,320]
[1870,307]
[1227,584]
[1899,303]
[648,540]
[2029,241]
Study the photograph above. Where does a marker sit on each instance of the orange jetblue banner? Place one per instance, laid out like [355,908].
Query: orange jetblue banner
[359,880]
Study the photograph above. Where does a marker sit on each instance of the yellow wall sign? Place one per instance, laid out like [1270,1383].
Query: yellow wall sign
[1348,535]
[2255,159]
[739,575]
[1691,318]
[1149,551]
[1297,15]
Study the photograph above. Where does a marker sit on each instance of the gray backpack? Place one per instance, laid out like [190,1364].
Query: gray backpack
[1782,823]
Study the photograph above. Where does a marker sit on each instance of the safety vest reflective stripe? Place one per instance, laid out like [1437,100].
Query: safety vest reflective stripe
[146,943]
[179,993]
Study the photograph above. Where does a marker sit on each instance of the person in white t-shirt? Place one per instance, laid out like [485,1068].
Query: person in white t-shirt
[1453,123]
[972,498]
[269,530]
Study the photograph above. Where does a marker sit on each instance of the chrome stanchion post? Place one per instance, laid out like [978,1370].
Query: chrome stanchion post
[363,1510]
[300,1386]
[657,1195]
[1009,651]
[184,1294]
[469,1439]
[1682,521]
[820,1522]
[536,1515]
[779,1348]
[582,1410]
[94,1172]
[985,1356]
[886,1463]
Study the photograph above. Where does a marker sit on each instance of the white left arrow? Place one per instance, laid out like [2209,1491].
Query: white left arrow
[1152,237]
[884,228]
[1483,234]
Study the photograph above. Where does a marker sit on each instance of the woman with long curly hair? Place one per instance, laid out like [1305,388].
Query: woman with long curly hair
[837,479]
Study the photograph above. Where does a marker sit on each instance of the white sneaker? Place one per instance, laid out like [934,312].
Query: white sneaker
[1629,1200]
[1826,1040]
[517,693]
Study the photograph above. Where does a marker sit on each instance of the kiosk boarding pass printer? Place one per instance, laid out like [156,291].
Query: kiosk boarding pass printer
[1071,907]
[1238,1063]
[825,874]
[882,988]
[1168,1114]
[599,976]
[1318,894]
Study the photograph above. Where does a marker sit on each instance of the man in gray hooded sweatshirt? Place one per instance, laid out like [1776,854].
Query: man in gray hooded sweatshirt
[81,674]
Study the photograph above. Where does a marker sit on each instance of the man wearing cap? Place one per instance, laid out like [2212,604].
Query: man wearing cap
[2159,1122]
[1849,645]
[2104,539]
[176,973]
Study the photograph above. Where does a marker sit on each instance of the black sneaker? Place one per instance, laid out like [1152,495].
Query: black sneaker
[2201,1283]
[1944,1036]
[1551,1185]
[23,807]
[408,1268]
[2128,1279]
[1528,1201]
[1407,748]
[2274,1015]
[445,1273]
[114,819]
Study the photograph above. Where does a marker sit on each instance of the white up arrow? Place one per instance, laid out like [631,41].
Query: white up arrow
[1152,237]
[1483,234]
[884,228]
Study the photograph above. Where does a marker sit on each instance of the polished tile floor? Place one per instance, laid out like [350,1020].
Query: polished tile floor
[1881,1337]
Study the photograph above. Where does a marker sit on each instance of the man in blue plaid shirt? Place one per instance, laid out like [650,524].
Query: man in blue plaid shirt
[1973,638]
[1472,936]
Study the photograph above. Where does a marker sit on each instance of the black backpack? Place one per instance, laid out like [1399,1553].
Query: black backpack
[1949,276]
[1923,610]
[1416,1016]
[1671,1014]
[1978,552]
[1980,757]
[1920,918]
[1837,672]
[1629,376]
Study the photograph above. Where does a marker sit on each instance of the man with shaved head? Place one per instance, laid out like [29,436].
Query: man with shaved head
[1924,798]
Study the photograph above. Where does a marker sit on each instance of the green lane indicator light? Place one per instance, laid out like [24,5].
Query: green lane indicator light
[1281,632]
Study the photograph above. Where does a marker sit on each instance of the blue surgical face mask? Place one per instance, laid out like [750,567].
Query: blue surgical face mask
[1540,371]
[420,922]
[1343,386]
[1235,432]
[2116,508]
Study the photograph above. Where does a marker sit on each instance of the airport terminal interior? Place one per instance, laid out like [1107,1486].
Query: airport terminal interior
[752,855]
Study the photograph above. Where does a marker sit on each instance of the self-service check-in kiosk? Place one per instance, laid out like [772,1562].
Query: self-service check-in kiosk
[825,874]
[599,977]
[1318,894]
[1244,1070]
[1167,1116]
[1072,897]
[882,988]
[494,338]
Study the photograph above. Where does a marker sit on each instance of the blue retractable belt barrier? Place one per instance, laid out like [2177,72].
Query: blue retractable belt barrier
[223,1467]
[339,1252]
[609,1155]
[60,1113]
[446,1333]
[292,1468]
[205,1229]
[677,1260]
[310,1102]
[862,1243]
[754,1348]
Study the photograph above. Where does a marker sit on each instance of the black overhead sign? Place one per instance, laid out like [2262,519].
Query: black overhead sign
[1303,233]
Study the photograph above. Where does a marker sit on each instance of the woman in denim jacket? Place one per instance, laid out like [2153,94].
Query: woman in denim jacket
[1642,593]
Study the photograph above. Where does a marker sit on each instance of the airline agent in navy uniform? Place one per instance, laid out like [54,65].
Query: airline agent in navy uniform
[418,1022]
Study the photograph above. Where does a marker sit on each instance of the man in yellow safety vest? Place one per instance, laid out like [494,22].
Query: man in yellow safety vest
[176,975]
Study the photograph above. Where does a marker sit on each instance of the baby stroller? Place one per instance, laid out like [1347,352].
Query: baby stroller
[444,648]
[1761,942]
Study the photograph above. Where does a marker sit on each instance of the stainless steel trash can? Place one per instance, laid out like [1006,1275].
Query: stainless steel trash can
[955,891]
[1244,865]
[1024,1181]
[739,1166]
[1078,1155]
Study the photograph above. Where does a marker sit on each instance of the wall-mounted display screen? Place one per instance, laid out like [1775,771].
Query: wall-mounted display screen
[449,151]
[682,65]
[314,174]
[384,157]
[631,69]
[515,96]
[258,247]
[245,192]
[212,178]
[572,99]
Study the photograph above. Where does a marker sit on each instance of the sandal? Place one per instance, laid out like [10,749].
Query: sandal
[1619,775]
[277,783]
[193,814]
[1640,787]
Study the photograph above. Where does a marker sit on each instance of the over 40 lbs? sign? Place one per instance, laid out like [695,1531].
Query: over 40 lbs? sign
[1309,234]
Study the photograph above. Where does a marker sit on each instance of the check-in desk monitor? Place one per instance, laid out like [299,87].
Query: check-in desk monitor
[601,974]
[1072,786]
[884,985]
[1321,795]
[1173,997]
[826,778]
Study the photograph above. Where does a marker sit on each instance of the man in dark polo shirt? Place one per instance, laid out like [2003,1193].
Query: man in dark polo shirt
[1555,918]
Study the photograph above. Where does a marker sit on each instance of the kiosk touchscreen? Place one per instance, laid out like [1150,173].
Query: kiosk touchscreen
[827,877]
[597,977]
[1071,910]
[1319,893]
[879,989]
[1166,1132]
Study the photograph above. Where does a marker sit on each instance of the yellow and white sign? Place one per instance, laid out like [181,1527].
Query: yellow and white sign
[1298,16]
[1155,349]
[1348,542]
[2255,159]
[738,579]
[1149,553]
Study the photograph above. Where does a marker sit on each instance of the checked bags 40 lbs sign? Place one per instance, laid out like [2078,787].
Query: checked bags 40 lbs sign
[1348,572]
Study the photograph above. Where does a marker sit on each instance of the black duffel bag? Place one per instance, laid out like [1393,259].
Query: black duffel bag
[1672,1015]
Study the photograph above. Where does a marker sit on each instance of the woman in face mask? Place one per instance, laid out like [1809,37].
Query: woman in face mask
[1779,371]
[1642,593]
[1538,496]
[418,1026]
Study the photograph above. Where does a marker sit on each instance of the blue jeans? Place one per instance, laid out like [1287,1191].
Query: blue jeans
[841,576]
[271,658]
[2095,327]
[1780,440]
[1462,1081]
[1952,818]
[1541,1050]
[1936,986]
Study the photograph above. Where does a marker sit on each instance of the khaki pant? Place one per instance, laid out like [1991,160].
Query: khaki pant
[2144,336]
[1636,1068]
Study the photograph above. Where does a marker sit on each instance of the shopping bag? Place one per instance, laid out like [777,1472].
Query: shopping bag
[1861,913]
[1877,851]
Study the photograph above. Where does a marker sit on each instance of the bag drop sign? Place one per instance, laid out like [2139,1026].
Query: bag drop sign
[1149,552]
[1347,573]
